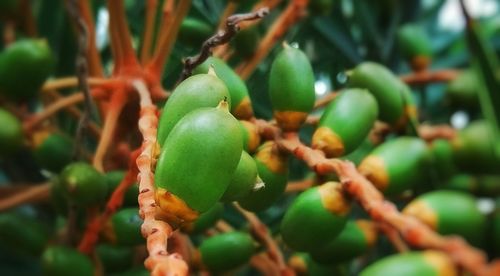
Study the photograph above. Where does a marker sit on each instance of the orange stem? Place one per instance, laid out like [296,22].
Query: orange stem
[425,77]
[67,82]
[148,30]
[93,57]
[30,195]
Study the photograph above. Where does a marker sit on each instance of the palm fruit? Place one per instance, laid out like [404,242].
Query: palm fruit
[304,265]
[63,261]
[52,151]
[397,165]
[244,179]
[354,240]
[197,162]
[83,184]
[251,137]
[462,91]
[205,220]
[204,90]
[413,264]
[475,149]
[241,107]
[291,88]
[272,167]
[343,128]
[317,215]
[214,251]
[24,67]
[415,46]
[443,159]
[449,212]
[246,41]
[385,87]
[113,179]
[22,233]
[11,133]
[193,32]
[124,228]
[462,182]
[115,258]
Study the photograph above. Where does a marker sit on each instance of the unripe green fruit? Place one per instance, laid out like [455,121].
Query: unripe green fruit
[214,251]
[304,265]
[197,161]
[246,41]
[413,264]
[11,133]
[204,90]
[251,137]
[54,151]
[272,167]
[415,46]
[113,179]
[462,182]
[317,214]
[291,88]
[443,159]
[83,184]
[243,180]
[124,228]
[343,128]
[115,258]
[397,165]
[449,212]
[205,220]
[63,261]
[24,67]
[385,87]
[354,240]
[22,234]
[462,92]
[241,107]
[193,32]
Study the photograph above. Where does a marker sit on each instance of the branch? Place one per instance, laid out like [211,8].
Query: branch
[220,38]
[68,82]
[149,26]
[425,77]
[40,192]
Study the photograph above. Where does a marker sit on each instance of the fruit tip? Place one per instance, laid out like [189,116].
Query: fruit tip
[259,184]
[211,70]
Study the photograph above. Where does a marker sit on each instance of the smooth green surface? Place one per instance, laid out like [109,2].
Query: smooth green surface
[11,133]
[197,91]
[127,227]
[462,92]
[246,41]
[63,261]
[23,234]
[83,184]
[227,251]
[243,179]
[443,159]
[316,269]
[115,258]
[409,264]
[194,31]
[200,156]
[55,152]
[208,218]
[413,41]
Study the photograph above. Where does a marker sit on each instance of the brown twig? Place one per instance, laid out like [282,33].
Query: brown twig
[31,194]
[430,133]
[394,237]
[425,77]
[299,186]
[221,37]
[326,99]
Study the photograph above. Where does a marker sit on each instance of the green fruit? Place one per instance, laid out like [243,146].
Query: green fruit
[197,162]
[204,90]
[443,159]
[24,67]
[11,133]
[426,263]
[397,165]
[53,152]
[243,180]
[63,261]
[475,149]
[291,88]
[241,107]
[246,41]
[415,46]
[343,128]
[124,228]
[115,258]
[113,179]
[193,32]
[449,212]
[462,182]
[206,220]
[83,184]
[354,240]
[385,87]
[272,167]
[462,91]
[251,137]
[304,265]
[316,215]
[214,251]
[22,234]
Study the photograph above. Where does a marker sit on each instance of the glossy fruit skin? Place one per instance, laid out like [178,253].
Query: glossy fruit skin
[115,258]
[193,32]
[205,220]
[316,215]
[251,137]
[415,46]
[243,180]
[203,90]
[291,88]
[214,251]
[426,263]
[385,87]
[83,184]
[24,67]
[462,92]
[343,128]
[113,179]
[124,228]
[353,241]
[11,133]
[443,159]
[397,165]
[241,107]
[475,149]
[450,212]
[63,261]
[272,168]
[23,234]
[199,157]
[54,152]
[246,41]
